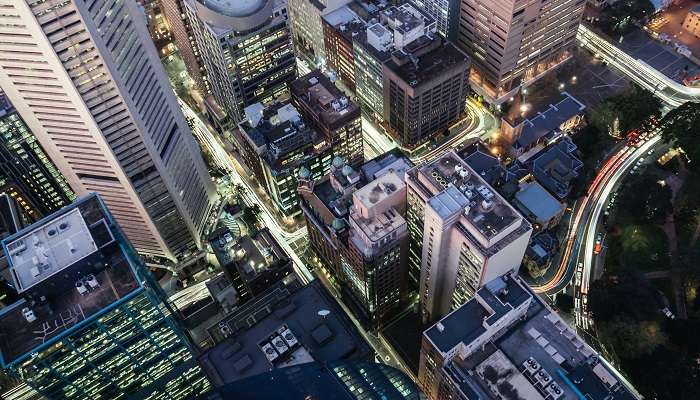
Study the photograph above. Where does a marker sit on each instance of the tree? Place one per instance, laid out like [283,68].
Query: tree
[630,339]
[680,126]
[624,112]
[628,295]
[645,199]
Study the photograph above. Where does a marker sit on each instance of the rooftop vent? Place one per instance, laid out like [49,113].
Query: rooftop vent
[440,327]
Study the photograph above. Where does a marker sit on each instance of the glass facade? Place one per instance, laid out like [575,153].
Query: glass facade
[131,350]
[26,172]
[95,326]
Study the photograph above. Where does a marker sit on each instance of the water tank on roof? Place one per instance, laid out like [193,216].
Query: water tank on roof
[347,170]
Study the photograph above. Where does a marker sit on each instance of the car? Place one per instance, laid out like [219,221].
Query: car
[598,247]
[650,152]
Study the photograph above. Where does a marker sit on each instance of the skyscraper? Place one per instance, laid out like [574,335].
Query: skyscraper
[445,13]
[89,322]
[183,36]
[512,42]
[246,50]
[26,172]
[305,22]
[87,80]
[464,232]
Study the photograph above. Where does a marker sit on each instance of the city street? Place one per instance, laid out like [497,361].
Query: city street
[481,123]
[672,93]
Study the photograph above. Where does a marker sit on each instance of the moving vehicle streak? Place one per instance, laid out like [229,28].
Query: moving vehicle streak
[582,228]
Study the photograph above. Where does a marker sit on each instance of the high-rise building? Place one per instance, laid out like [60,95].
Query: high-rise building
[356,226]
[331,113]
[343,380]
[26,172]
[246,50]
[89,321]
[276,143]
[464,232]
[339,29]
[183,36]
[445,13]
[288,325]
[506,343]
[86,78]
[307,30]
[513,42]
[407,77]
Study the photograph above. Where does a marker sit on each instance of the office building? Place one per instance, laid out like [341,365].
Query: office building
[26,172]
[276,143]
[339,29]
[251,263]
[691,23]
[89,321]
[331,113]
[246,50]
[108,118]
[466,234]
[445,13]
[344,380]
[506,343]
[512,43]
[307,31]
[408,78]
[183,37]
[356,225]
[286,326]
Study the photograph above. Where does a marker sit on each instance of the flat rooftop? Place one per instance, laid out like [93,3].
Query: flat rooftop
[426,59]
[535,357]
[63,284]
[328,103]
[461,189]
[320,331]
[537,200]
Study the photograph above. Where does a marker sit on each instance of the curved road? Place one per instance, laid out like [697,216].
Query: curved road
[580,237]
[672,93]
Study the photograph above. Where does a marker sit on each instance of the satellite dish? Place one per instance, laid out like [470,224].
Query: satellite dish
[323,313]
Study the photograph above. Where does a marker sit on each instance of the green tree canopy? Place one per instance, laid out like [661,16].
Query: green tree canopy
[627,295]
[681,126]
[624,112]
[631,339]
[645,199]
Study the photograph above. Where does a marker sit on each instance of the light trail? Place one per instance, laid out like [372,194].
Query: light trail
[249,197]
[672,93]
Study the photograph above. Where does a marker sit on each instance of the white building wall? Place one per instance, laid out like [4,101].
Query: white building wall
[79,96]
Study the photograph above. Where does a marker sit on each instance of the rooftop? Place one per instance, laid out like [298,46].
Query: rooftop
[278,131]
[556,166]
[535,199]
[488,166]
[336,380]
[79,242]
[426,59]
[324,100]
[460,189]
[546,121]
[286,325]
[532,354]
